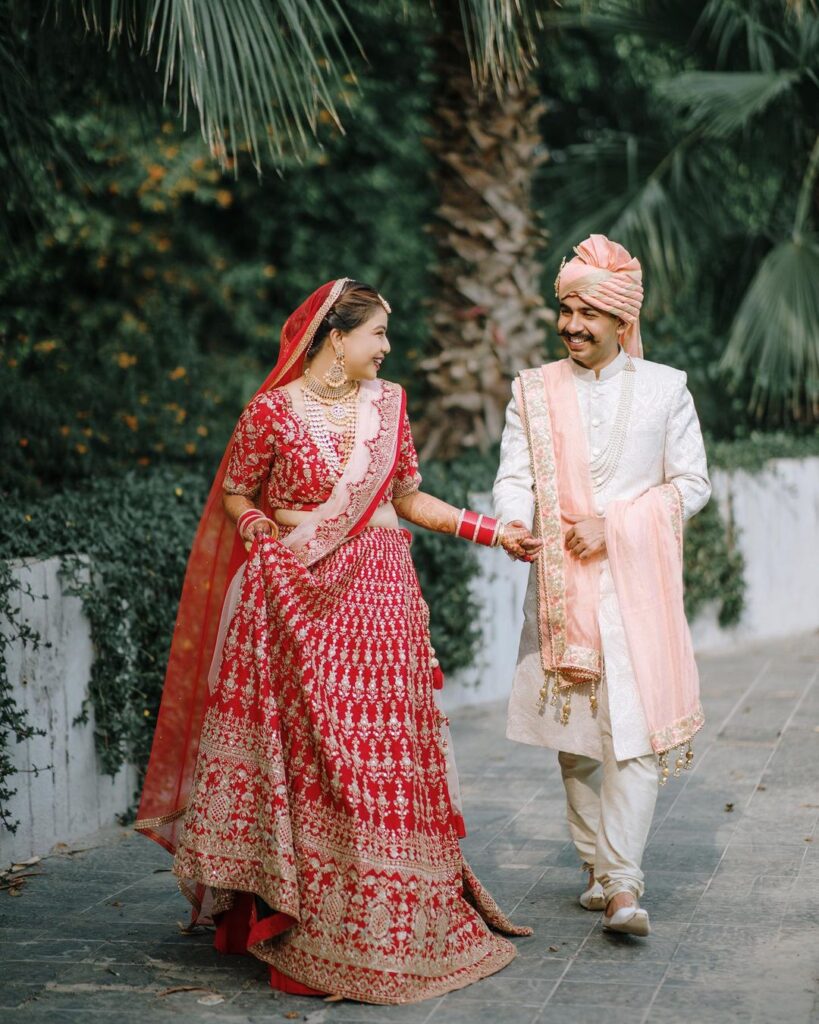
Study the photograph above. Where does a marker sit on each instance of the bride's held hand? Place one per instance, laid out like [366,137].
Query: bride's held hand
[264,526]
[517,541]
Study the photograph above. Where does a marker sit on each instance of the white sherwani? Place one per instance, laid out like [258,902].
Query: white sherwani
[663,444]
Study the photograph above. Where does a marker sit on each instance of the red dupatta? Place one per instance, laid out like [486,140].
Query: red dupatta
[216,555]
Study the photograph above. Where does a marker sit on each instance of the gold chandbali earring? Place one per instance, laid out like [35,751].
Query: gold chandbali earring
[336,376]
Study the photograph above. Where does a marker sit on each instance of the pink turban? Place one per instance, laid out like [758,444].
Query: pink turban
[607,277]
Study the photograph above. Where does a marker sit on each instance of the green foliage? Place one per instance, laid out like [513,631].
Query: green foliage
[688,131]
[446,567]
[754,452]
[714,566]
[140,313]
[124,544]
[14,723]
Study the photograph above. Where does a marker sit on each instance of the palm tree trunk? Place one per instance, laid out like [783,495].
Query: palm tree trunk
[488,316]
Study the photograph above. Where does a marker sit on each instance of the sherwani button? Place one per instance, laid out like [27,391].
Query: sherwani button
[595,423]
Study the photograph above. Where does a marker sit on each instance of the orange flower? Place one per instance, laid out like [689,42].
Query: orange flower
[23,442]
[65,431]
[178,373]
[130,421]
[269,270]
[163,244]
[156,172]
[81,448]
[46,346]
[223,197]
[190,448]
[135,227]
[143,460]
[202,430]
[126,360]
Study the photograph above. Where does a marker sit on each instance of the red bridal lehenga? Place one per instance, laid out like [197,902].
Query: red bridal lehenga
[302,783]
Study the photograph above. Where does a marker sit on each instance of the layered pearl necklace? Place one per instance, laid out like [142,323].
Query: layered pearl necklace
[338,406]
[604,466]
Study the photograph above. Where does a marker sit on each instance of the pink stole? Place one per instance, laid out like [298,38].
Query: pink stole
[644,545]
[355,496]
[359,490]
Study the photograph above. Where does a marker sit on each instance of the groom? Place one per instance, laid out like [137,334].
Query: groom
[603,457]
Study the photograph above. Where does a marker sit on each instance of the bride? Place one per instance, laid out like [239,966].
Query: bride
[300,772]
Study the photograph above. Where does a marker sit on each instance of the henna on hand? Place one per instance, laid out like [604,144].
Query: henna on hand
[517,541]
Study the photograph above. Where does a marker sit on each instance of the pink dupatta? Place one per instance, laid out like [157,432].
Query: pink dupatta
[644,544]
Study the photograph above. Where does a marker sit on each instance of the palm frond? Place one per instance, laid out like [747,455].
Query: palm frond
[648,194]
[721,103]
[661,20]
[500,38]
[774,338]
[258,75]
[728,23]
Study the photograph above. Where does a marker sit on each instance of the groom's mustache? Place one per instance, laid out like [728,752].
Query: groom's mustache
[583,336]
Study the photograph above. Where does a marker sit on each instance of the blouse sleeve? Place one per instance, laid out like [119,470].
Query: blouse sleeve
[253,450]
[407,479]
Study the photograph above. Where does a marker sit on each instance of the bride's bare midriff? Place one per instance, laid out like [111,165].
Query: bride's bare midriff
[384,516]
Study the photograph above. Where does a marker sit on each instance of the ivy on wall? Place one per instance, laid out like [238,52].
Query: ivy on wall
[135,532]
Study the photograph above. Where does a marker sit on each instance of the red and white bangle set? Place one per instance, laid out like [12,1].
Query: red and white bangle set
[478,528]
[246,519]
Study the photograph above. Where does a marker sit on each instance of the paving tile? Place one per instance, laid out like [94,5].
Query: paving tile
[96,936]
[602,994]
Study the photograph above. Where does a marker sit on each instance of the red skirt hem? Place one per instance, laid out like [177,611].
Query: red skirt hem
[240,927]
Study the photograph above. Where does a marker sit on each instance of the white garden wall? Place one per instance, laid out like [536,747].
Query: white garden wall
[67,797]
[776,513]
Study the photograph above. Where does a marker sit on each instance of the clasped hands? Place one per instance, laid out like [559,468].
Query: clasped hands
[517,541]
[584,540]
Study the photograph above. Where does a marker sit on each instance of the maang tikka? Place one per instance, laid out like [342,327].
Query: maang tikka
[335,377]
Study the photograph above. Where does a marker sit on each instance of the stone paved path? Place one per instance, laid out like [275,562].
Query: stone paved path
[732,866]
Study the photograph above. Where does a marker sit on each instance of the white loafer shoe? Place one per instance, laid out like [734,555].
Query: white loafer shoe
[628,921]
[593,898]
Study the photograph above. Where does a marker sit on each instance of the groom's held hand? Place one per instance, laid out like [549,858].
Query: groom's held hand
[587,538]
[519,543]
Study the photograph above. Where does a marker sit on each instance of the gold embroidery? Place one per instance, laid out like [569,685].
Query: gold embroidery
[564,665]
[327,672]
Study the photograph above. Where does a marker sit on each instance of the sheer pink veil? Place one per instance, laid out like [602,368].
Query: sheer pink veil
[215,556]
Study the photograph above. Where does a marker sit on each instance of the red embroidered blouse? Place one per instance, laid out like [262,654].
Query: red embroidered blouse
[274,442]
